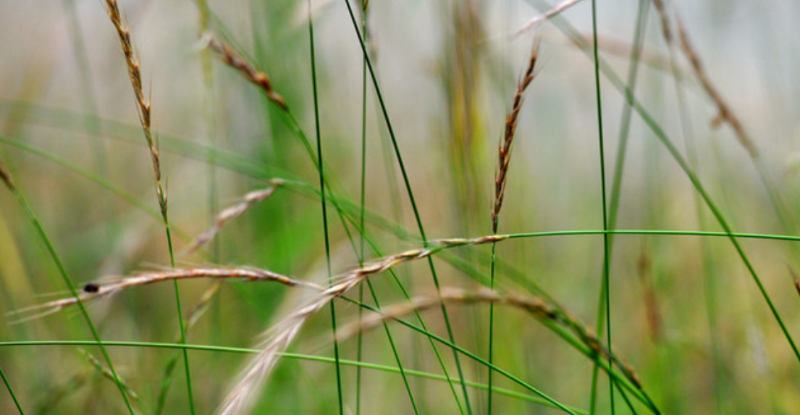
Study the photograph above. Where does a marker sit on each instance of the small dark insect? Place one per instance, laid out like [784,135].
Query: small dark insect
[91,287]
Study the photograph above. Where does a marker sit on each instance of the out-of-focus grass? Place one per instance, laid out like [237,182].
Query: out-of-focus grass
[685,311]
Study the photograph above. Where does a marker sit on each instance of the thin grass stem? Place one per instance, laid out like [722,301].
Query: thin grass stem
[11,392]
[5,177]
[363,193]
[321,169]
[622,147]
[606,288]
[662,137]
[295,356]
[407,182]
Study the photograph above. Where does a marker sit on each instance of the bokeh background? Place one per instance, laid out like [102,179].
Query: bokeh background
[685,311]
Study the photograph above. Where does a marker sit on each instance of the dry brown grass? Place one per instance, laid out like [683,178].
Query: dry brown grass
[556,10]
[113,285]
[232,212]
[143,104]
[504,152]
[232,59]
[536,306]
[726,114]
[241,396]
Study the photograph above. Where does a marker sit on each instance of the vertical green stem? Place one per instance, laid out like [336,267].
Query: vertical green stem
[491,326]
[619,166]
[360,340]
[324,205]
[209,104]
[11,392]
[68,281]
[710,293]
[182,324]
[86,85]
[606,258]
[417,216]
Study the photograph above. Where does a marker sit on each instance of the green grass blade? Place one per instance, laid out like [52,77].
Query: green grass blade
[688,172]
[11,392]
[410,193]
[321,169]
[26,207]
[296,356]
[606,288]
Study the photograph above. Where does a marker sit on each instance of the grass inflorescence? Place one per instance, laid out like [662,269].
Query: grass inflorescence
[400,208]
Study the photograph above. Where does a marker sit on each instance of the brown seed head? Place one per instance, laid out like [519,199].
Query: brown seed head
[232,59]
[504,152]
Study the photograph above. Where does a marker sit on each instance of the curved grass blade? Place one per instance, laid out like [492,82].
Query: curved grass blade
[662,137]
[11,392]
[321,170]
[409,192]
[296,356]
[28,209]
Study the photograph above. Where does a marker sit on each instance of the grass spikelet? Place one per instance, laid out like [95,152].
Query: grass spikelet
[143,108]
[26,207]
[98,366]
[143,104]
[504,153]
[557,9]
[94,290]
[536,306]
[666,29]
[241,395]
[232,59]
[232,212]
[725,114]
[112,285]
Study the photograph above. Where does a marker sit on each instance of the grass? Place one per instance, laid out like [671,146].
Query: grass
[330,180]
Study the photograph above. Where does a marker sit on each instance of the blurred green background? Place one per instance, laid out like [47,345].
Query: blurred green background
[685,311]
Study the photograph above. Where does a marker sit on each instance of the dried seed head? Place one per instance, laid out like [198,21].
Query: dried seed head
[504,152]
[229,56]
